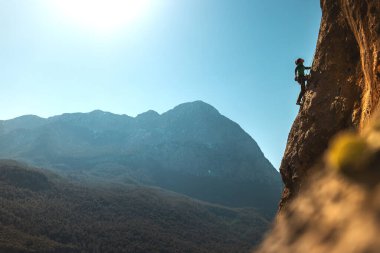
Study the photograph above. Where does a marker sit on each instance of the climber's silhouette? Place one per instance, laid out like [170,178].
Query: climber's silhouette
[301,78]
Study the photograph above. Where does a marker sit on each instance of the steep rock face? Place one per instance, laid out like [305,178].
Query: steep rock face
[344,88]
[339,211]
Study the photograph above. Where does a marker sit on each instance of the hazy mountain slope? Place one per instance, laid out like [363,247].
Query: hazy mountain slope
[191,149]
[40,212]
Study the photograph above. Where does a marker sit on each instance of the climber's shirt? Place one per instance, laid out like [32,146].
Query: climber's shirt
[300,70]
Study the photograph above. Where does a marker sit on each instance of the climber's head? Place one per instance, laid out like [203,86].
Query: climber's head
[299,61]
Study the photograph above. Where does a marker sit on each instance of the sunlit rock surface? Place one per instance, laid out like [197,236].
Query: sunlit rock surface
[340,210]
[344,86]
[331,200]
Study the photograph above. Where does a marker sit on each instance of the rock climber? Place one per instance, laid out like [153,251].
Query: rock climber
[301,78]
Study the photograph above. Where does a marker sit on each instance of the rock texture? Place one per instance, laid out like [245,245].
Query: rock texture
[344,88]
[336,179]
[340,211]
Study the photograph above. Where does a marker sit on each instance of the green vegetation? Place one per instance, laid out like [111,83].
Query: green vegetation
[57,216]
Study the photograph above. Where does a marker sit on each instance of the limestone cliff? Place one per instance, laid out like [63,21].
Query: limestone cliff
[336,179]
[344,88]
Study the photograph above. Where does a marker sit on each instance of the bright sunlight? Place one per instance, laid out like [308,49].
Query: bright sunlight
[102,15]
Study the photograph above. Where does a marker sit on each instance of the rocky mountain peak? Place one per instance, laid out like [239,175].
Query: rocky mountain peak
[196,107]
[148,115]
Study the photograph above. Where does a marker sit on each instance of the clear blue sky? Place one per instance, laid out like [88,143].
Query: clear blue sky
[237,55]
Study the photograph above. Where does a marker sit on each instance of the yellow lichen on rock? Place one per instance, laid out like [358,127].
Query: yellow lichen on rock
[348,152]
[338,208]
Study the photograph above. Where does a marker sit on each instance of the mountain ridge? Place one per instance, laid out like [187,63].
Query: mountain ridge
[192,143]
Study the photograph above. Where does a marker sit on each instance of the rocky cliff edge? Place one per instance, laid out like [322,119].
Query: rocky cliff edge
[331,199]
[344,88]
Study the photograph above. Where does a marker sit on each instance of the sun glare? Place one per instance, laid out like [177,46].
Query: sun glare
[102,15]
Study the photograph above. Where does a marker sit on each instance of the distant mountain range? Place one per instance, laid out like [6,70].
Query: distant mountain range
[191,149]
[42,212]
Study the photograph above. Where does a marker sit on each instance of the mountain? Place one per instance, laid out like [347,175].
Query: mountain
[191,149]
[42,212]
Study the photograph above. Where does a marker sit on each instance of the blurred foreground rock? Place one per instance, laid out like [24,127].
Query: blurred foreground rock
[340,209]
